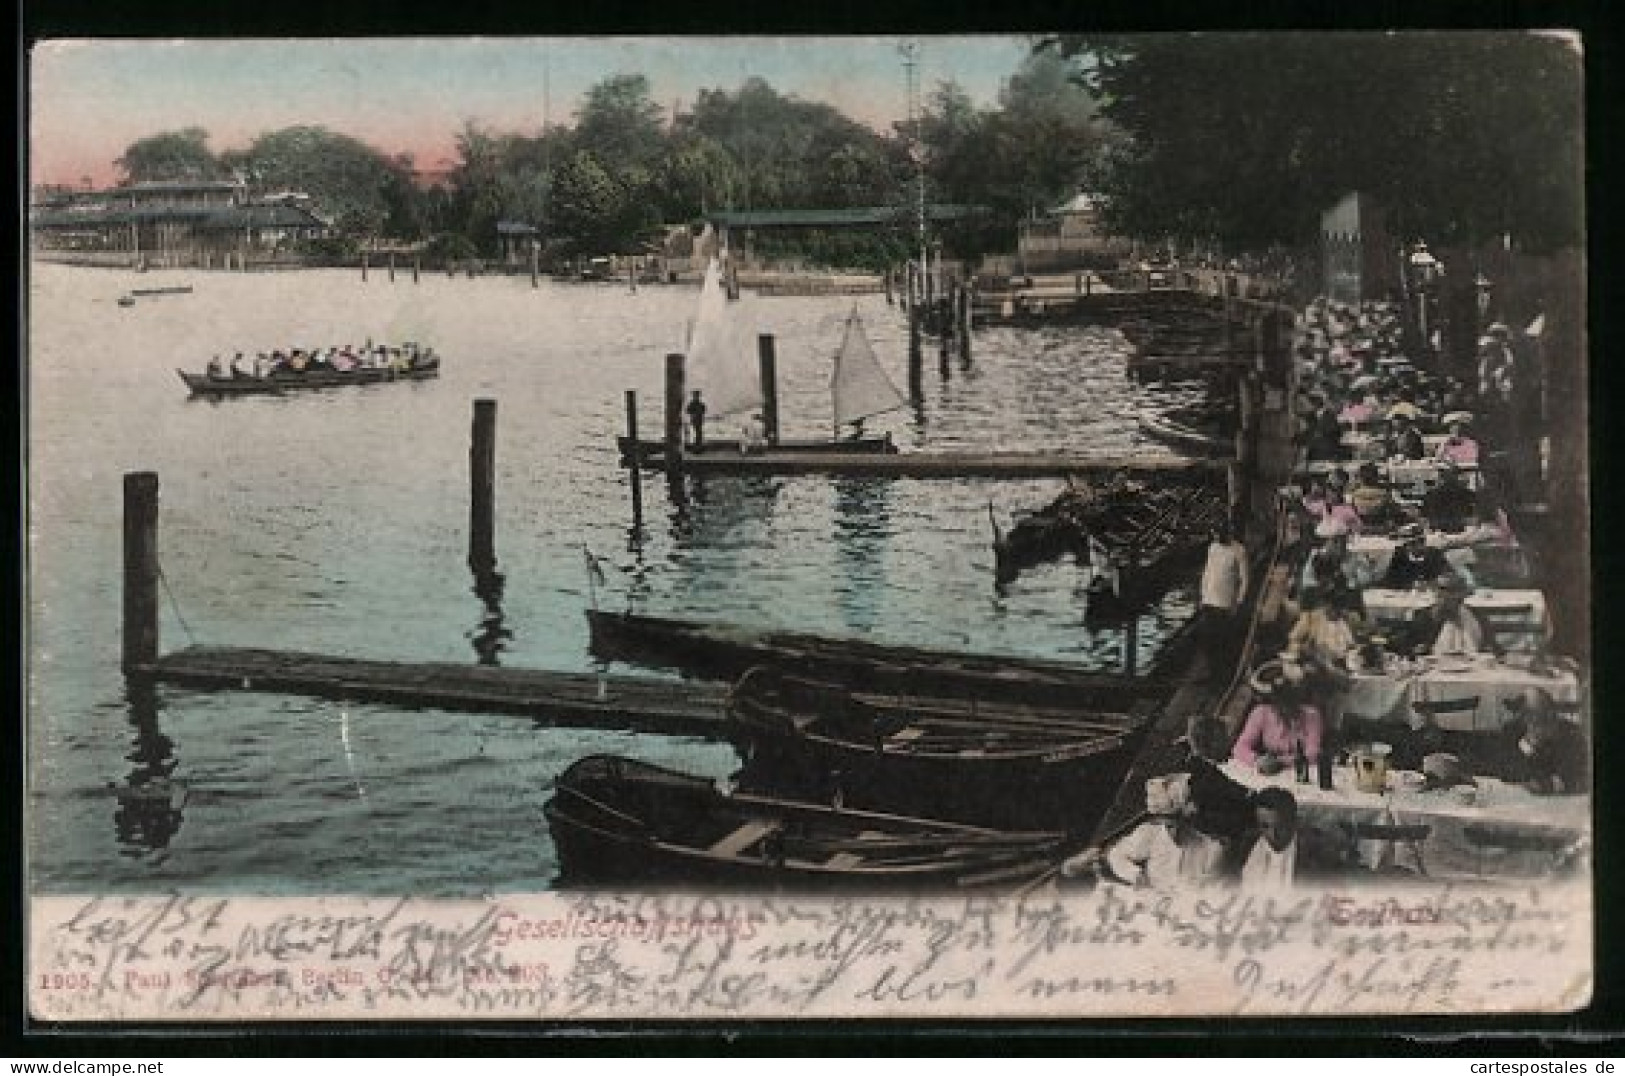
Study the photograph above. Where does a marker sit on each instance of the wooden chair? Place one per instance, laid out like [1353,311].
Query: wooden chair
[1436,708]
[1413,835]
[1563,846]
[1511,627]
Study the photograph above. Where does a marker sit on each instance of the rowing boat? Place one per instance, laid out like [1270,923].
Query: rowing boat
[727,651]
[653,453]
[282,382]
[999,764]
[620,820]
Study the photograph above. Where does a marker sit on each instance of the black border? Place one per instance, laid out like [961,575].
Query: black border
[1597,1031]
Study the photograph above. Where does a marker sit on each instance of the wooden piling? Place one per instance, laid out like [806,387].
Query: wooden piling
[886,278]
[767,358]
[482,456]
[637,458]
[363,267]
[417,269]
[392,267]
[675,386]
[916,350]
[966,307]
[535,266]
[140,649]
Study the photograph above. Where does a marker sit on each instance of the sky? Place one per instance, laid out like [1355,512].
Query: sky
[91,99]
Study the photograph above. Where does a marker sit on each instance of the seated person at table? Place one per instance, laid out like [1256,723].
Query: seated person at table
[1164,852]
[1282,723]
[1287,850]
[1414,561]
[1313,497]
[1336,573]
[1405,440]
[1405,407]
[1338,517]
[1323,633]
[1324,437]
[1450,506]
[1370,498]
[1548,754]
[1459,631]
[1221,806]
[1458,448]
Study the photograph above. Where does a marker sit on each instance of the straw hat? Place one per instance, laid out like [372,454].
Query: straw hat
[1409,532]
[1277,673]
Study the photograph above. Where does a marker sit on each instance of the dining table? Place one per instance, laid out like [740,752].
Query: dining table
[1518,616]
[1485,681]
[1485,830]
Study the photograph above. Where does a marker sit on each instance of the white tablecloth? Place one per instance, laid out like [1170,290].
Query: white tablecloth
[1393,606]
[1491,682]
[1375,551]
[1407,479]
[1449,850]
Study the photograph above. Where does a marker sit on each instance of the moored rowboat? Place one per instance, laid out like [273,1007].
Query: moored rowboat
[620,820]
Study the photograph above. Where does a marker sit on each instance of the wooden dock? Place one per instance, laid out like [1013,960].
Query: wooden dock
[940,465]
[643,704]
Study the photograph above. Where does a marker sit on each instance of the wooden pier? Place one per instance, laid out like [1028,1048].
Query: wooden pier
[939,465]
[643,704]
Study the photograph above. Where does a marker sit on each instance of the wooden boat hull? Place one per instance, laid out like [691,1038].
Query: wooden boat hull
[278,384]
[1009,767]
[726,651]
[653,453]
[617,820]
[1189,441]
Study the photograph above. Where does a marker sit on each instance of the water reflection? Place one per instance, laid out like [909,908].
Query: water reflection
[149,802]
[862,535]
[490,637]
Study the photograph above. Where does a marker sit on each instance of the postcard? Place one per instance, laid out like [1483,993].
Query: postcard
[1058,526]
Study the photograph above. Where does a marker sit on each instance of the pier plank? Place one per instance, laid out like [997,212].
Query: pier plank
[936,465]
[636,703]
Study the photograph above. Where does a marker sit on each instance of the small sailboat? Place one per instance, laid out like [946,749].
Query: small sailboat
[858,385]
[724,367]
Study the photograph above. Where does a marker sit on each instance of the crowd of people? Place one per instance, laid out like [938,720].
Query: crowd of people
[1393,465]
[346,358]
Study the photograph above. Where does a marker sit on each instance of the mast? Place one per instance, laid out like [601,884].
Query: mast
[910,51]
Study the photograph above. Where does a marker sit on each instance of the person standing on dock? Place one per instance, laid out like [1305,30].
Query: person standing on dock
[1225,579]
[696,420]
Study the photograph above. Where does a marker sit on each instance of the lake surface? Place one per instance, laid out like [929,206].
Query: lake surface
[337,522]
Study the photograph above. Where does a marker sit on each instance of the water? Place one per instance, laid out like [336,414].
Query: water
[337,522]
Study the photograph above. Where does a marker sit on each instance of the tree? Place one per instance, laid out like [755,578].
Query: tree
[171,155]
[1247,137]
[354,185]
[620,124]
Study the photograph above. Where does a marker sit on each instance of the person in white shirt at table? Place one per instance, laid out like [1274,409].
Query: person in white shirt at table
[1225,579]
[1459,632]
[1287,852]
[1165,851]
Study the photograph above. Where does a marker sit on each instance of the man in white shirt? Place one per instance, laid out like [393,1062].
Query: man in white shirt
[1286,853]
[1164,852]
[1225,579]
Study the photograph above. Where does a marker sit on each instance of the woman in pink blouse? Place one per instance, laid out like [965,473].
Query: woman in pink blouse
[1282,723]
[1459,448]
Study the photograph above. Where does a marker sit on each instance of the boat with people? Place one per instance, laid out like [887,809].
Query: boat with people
[727,651]
[616,819]
[1002,764]
[298,370]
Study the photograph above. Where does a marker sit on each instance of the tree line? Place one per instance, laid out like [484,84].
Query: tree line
[626,170]
[1228,143]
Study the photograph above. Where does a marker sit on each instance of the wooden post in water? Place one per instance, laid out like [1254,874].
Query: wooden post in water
[636,457]
[417,268]
[966,311]
[140,648]
[535,266]
[768,359]
[363,267]
[482,457]
[886,279]
[675,386]
[1131,647]
[392,267]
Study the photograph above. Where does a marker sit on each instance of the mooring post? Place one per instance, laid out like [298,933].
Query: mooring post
[675,384]
[768,360]
[1131,647]
[966,313]
[943,343]
[916,349]
[535,266]
[635,454]
[392,267]
[363,267]
[417,268]
[140,572]
[885,279]
[482,457]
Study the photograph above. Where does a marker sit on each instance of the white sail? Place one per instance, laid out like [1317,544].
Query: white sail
[859,386]
[722,362]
